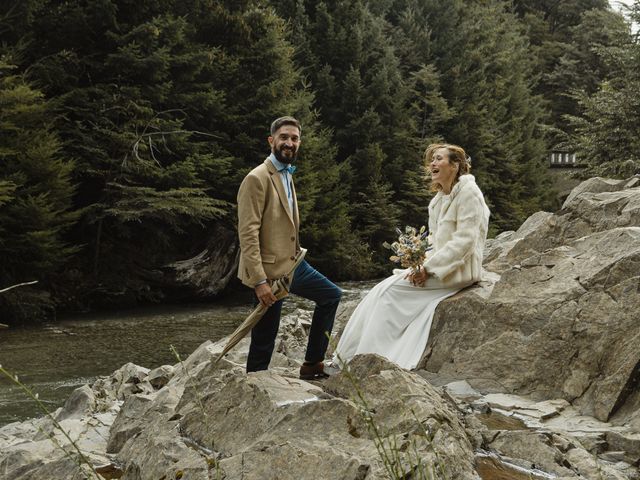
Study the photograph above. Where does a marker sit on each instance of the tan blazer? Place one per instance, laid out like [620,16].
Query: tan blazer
[267,228]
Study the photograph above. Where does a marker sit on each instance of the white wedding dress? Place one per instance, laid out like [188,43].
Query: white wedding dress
[393,320]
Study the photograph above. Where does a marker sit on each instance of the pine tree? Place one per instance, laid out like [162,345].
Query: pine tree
[607,130]
[334,246]
[122,76]
[564,37]
[35,188]
[362,95]
[165,106]
[474,68]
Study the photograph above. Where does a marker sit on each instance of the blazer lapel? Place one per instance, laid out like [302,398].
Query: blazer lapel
[296,213]
[277,183]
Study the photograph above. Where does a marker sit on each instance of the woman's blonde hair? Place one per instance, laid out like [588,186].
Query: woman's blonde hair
[456,155]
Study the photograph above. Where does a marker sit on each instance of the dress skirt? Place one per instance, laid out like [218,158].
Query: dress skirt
[393,320]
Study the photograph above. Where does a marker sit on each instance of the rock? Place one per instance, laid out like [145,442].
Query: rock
[160,376]
[528,433]
[294,336]
[287,462]
[462,389]
[159,451]
[60,467]
[127,423]
[265,425]
[206,274]
[20,458]
[141,410]
[404,403]
[628,443]
[535,412]
[587,466]
[535,447]
[561,304]
[596,185]
[204,353]
[130,373]
[554,453]
[109,471]
[80,403]
[37,449]
[595,205]
[143,387]
[496,251]
[120,383]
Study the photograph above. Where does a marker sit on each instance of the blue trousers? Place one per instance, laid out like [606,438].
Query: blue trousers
[307,283]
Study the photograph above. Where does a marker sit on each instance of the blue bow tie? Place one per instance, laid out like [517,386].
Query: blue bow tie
[289,169]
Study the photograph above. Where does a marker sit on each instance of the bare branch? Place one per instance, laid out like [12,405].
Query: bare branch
[18,285]
[180,131]
[151,151]
[135,148]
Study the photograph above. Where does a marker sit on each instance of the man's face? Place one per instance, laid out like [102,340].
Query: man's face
[285,143]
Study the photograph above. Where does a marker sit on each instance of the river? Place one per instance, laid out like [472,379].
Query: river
[53,359]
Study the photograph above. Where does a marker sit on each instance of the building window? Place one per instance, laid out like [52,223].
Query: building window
[562,159]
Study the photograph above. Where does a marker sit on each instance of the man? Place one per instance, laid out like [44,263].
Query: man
[268,224]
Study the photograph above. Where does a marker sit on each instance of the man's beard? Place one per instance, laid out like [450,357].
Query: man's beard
[282,158]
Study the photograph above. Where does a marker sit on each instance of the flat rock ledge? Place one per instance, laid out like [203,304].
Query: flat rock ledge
[532,374]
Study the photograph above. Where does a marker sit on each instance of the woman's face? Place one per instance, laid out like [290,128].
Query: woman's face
[443,172]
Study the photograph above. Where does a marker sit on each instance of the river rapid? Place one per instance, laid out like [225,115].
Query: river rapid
[53,359]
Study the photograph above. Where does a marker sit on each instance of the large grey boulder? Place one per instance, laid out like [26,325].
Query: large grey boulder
[562,319]
[214,419]
[595,205]
[269,426]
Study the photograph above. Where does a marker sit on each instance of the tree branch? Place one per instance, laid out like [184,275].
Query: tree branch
[18,285]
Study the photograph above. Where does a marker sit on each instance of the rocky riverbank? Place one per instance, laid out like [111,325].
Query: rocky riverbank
[531,374]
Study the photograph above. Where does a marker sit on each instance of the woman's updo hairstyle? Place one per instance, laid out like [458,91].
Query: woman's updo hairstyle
[457,156]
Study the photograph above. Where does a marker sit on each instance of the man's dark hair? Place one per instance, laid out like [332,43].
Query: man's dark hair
[278,122]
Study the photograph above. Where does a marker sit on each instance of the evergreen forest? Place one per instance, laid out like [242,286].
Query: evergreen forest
[127,126]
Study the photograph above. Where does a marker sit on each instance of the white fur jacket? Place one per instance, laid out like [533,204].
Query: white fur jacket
[458,225]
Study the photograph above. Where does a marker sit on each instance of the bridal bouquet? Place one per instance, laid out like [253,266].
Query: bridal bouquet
[410,250]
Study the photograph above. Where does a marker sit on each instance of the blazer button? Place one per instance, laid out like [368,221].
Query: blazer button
[293,258]
[293,239]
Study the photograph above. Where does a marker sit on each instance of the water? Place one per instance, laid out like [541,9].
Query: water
[56,358]
[491,467]
[498,421]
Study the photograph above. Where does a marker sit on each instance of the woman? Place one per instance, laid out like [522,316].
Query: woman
[394,319]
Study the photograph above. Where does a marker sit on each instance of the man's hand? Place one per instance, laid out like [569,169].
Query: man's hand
[264,294]
[418,278]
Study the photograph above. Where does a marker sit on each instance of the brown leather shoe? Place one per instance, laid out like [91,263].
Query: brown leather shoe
[313,372]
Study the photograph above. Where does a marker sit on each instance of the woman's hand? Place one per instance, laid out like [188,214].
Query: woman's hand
[418,278]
